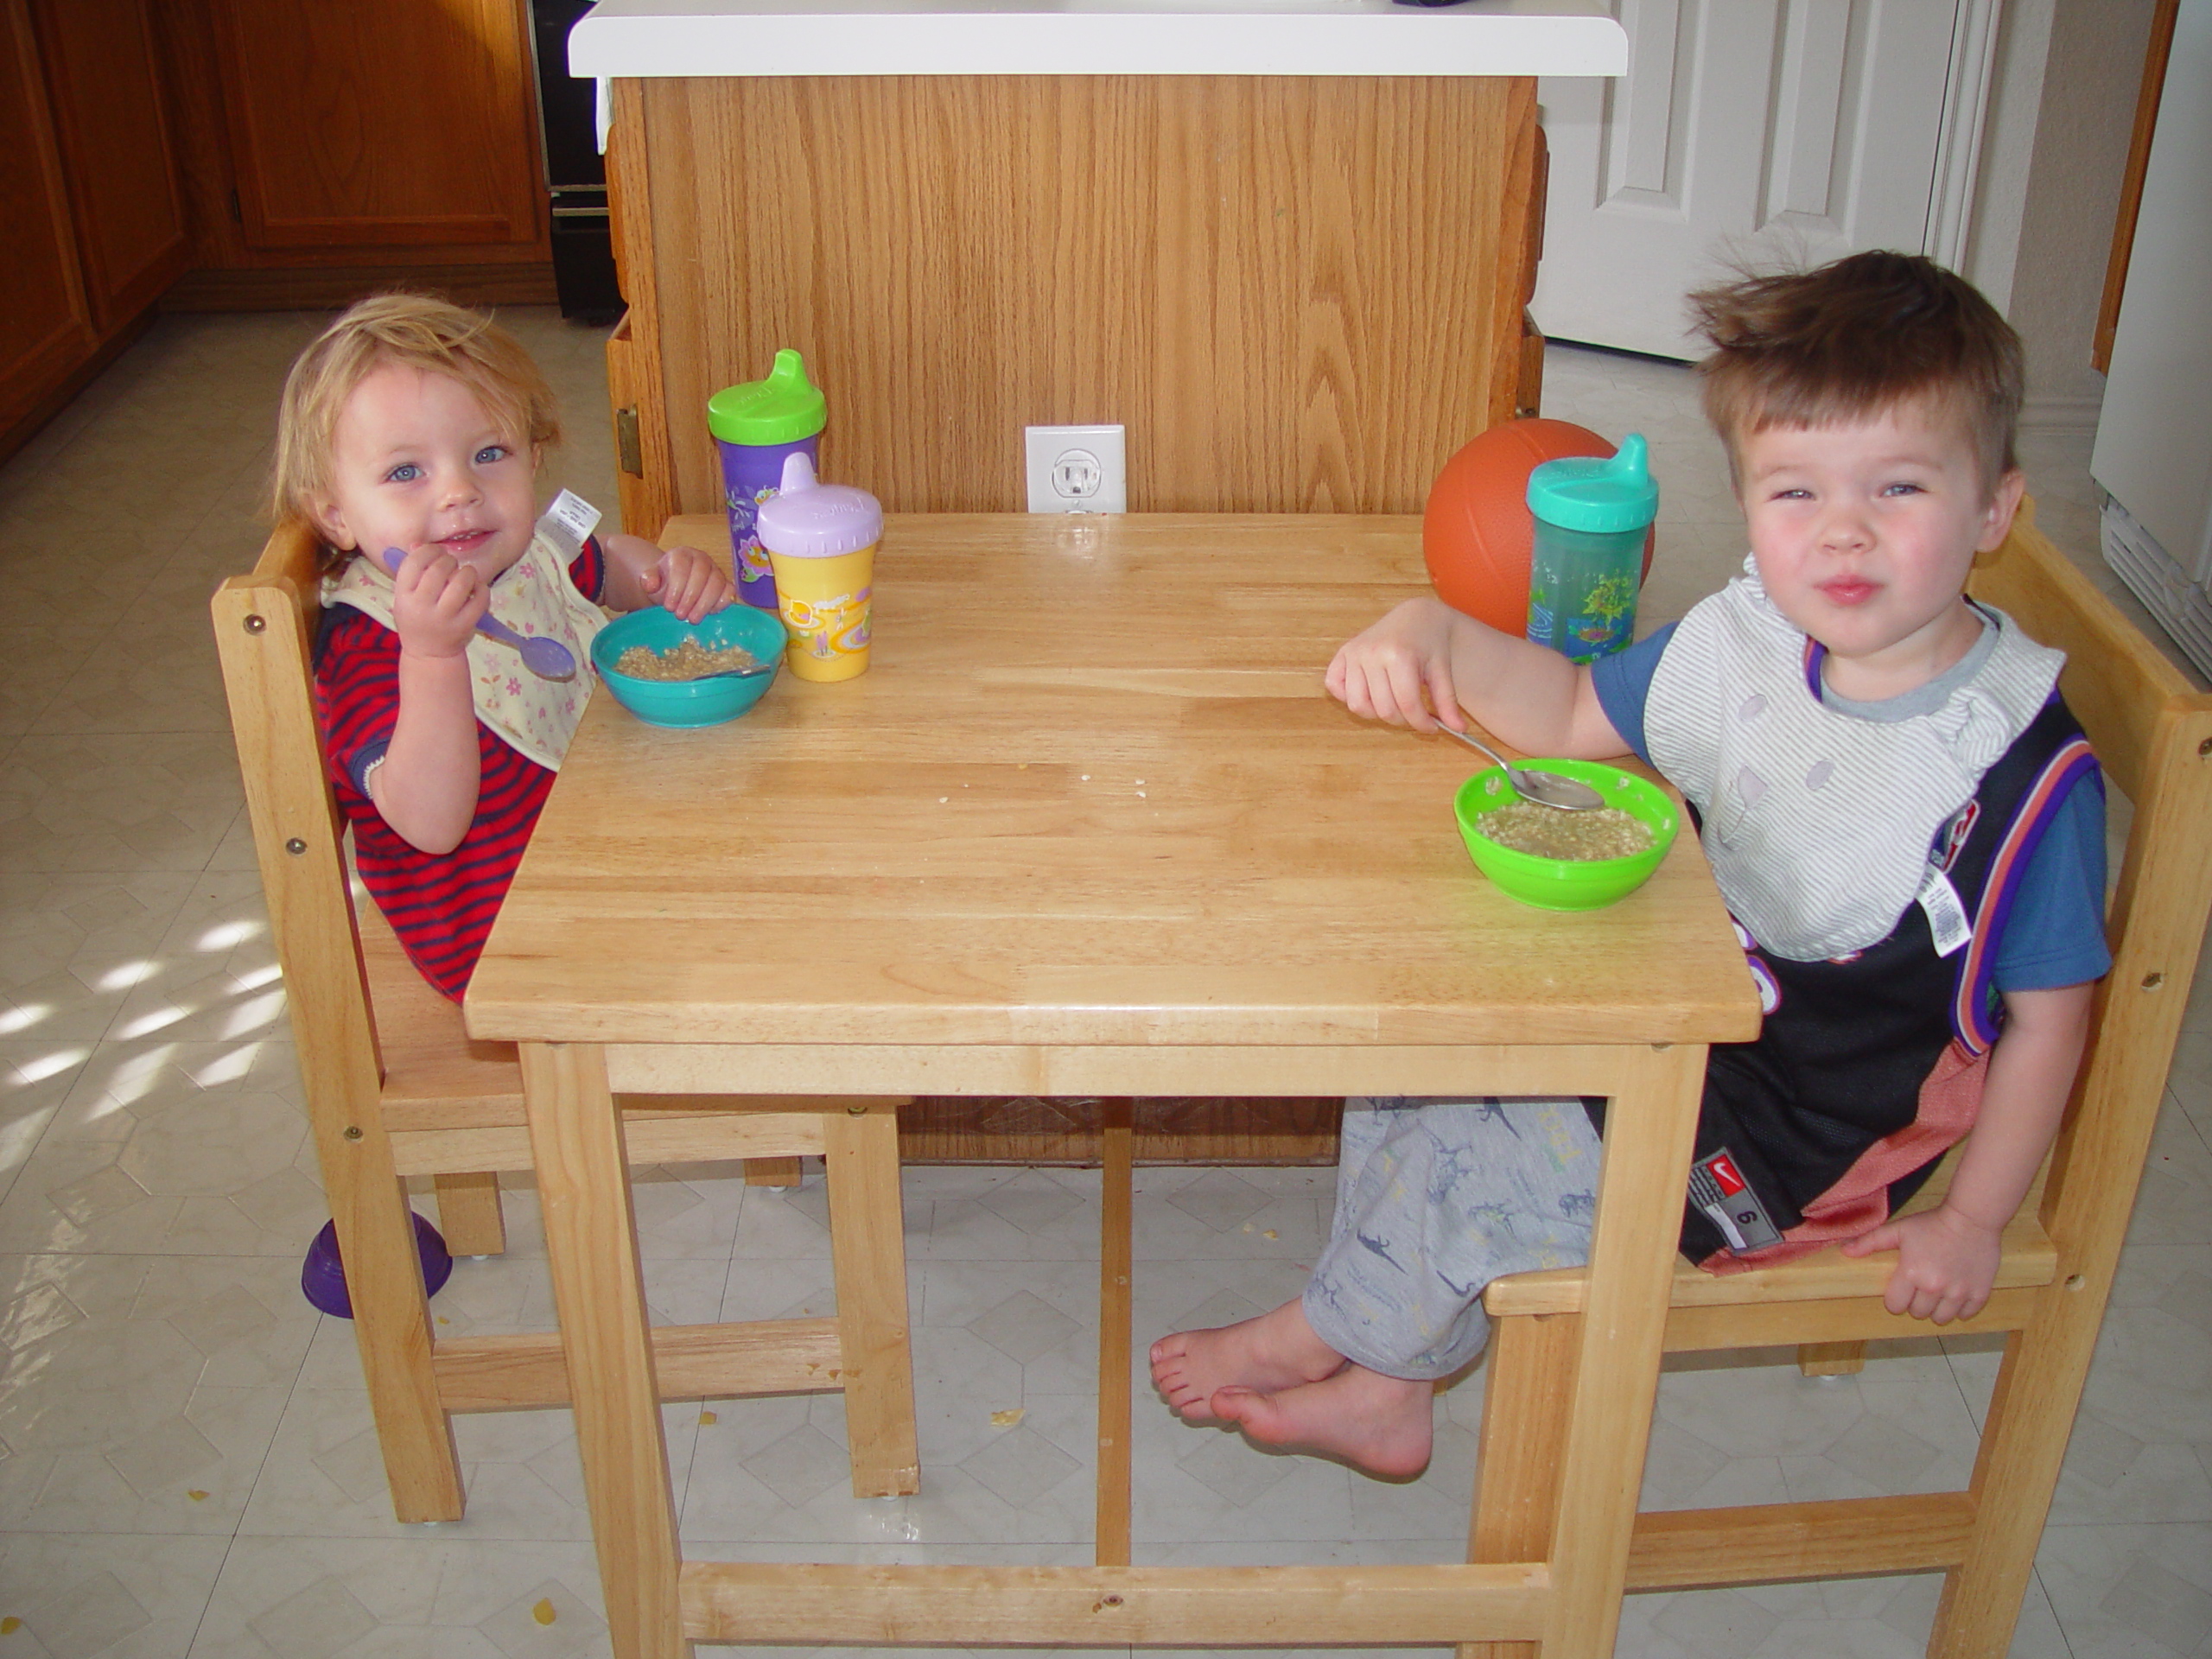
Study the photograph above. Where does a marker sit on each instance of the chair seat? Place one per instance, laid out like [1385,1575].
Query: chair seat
[2029,1260]
[435,1075]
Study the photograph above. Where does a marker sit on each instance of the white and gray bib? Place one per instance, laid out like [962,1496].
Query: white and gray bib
[1818,823]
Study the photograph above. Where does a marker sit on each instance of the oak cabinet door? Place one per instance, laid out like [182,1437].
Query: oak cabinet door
[380,123]
[45,330]
[103,84]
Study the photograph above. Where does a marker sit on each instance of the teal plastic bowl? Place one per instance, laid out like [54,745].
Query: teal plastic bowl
[1564,883]
[690,703]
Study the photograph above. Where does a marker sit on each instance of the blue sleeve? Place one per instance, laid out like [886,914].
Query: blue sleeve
[2055,933]
[1623,683]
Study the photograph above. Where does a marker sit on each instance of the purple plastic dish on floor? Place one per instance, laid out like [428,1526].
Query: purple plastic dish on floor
[322,1275]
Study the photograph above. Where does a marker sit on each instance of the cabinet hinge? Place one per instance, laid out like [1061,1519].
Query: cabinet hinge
[630,455]
[238,212]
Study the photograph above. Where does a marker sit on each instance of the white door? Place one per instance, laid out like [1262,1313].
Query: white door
[1753,130]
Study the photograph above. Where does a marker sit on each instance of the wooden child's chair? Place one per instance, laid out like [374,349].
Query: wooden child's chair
[2154,735]
[396,1088]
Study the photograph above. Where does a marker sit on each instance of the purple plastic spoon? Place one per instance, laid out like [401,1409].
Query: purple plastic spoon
[547,658]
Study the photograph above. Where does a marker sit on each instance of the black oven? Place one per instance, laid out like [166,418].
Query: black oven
[583,243]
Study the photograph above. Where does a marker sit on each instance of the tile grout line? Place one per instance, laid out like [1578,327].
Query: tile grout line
[253,1487]
[721,1301]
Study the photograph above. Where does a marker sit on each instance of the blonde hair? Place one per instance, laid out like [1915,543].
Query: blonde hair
[1853,339]
[413,331]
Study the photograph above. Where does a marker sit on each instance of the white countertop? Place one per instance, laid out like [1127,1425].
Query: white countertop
[1096,37]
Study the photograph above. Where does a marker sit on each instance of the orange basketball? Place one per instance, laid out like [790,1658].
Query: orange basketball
[1475,533]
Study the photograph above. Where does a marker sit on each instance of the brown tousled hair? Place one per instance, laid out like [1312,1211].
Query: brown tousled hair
[1856,338]
[417,331]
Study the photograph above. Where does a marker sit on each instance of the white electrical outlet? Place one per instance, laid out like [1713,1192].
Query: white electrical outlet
[1078,468]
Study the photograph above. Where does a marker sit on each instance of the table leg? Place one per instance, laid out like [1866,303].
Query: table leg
[1649,1132]
[1116,1179]
[867,1251]
[591,1242]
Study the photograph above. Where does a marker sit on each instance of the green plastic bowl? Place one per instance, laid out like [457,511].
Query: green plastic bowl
[1565,883]
[690,703]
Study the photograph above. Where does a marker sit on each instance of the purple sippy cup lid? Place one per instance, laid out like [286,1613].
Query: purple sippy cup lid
[807,520]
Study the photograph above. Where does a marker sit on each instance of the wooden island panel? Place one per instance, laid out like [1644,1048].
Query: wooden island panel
[1297,294]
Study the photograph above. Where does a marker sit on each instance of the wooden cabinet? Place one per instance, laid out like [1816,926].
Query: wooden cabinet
[94,222]
[44,329]
[335,149]
[401,123]
[253,153]
[111,123]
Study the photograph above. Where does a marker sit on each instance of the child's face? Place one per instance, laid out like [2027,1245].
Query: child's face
[1864,533]
[417,462]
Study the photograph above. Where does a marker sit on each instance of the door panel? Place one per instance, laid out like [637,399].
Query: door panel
[330,154]
[102,77]
[44,328]
[1745,130]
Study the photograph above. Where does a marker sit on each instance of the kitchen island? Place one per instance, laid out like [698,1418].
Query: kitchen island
[1285,243]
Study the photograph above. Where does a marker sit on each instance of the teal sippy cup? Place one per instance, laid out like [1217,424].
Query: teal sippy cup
[1586,558]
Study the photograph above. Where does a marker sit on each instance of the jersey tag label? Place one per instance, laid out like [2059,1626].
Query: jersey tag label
[1718,1188]
[1948,925]
[569,523]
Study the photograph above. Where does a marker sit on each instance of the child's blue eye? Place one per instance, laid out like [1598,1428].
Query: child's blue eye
[490,452]
[1901,488]
[406,473]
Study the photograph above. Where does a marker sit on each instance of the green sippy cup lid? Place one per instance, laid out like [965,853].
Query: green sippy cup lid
[783,409]
[1601,497]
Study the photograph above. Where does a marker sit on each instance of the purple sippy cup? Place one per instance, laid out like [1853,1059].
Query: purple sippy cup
[758,425]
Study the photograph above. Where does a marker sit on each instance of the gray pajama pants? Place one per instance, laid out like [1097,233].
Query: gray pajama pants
[1434,1199]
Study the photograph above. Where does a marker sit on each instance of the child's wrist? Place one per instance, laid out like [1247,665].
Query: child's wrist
[422,653]
[1959,1216]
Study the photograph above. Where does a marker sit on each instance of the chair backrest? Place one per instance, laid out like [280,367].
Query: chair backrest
[265,628]
[2152,732]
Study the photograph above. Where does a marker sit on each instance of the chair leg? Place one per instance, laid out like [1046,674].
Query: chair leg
[2023,1443]
[1526,1397]
[1830,1359]
[391,1325]
[867,1244]
[771,1171]
[469,1214]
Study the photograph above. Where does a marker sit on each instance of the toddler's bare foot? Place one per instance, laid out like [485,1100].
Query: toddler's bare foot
[1382,1425]
[1275,1350]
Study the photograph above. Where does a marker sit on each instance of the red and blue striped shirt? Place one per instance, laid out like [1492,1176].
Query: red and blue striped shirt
[441,904]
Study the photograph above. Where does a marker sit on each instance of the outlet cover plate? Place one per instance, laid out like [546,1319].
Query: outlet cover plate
[1078,468]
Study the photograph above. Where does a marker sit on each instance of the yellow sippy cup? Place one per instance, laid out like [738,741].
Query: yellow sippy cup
[821,539]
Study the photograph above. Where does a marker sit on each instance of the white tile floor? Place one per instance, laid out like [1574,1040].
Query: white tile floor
[185,1460]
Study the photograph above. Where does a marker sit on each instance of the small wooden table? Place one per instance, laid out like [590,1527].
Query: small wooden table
[1089,825]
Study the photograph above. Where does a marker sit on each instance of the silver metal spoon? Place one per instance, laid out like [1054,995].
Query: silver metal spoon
[1545,788]
[547,658]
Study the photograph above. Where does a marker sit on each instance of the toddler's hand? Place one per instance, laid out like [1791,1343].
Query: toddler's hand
[688,584]
[1947,1263]
[437,602]
[1400,669]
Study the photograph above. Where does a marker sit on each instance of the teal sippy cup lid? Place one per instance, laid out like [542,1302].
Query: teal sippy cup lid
[1601,497]
[785,408]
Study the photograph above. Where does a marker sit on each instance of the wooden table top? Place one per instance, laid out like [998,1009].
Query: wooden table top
[1090,792]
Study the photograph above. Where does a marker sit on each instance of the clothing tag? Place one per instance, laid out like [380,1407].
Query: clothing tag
[1719,1188]
[1946,917]
[568,522]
